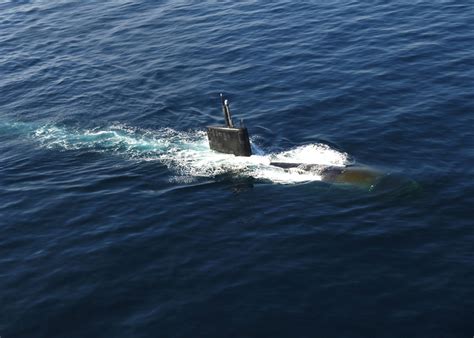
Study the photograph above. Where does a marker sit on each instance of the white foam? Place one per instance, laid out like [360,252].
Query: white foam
[312,154]
[187,154]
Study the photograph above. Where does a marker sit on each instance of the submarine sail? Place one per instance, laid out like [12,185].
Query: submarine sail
[229,139]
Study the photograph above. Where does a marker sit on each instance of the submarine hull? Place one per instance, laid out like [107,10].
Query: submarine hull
[353,175]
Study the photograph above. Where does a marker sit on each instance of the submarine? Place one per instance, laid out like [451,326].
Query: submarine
[229,139]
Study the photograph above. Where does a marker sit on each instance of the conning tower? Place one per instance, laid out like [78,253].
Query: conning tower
[229,139]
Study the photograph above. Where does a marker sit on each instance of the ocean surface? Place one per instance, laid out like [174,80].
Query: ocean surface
[117,220]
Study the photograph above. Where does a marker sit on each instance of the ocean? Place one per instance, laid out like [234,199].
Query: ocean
[117,220]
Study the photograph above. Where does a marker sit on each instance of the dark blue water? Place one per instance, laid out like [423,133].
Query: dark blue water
[116,220]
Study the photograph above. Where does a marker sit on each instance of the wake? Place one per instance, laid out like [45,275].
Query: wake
[185,153]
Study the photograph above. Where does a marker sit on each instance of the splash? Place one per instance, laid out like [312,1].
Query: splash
[187,153]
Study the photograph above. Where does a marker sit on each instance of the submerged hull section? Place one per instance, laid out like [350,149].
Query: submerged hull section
[353,175]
